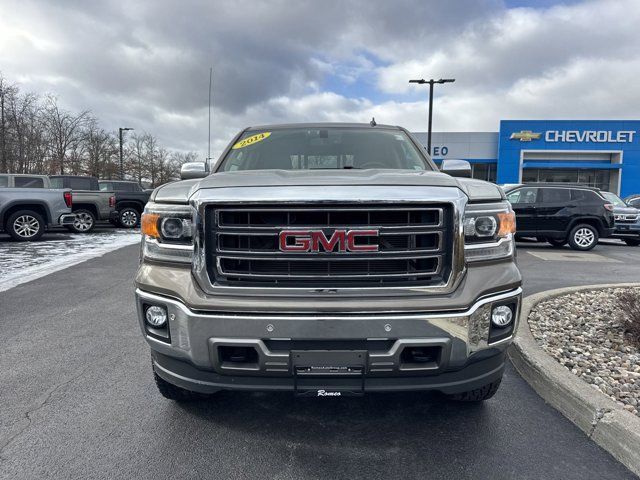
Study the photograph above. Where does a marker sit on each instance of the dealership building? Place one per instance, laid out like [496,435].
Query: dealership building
[599,153]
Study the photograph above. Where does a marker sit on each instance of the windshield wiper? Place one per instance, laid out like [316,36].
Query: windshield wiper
[346,167]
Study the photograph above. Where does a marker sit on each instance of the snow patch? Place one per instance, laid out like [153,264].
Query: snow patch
[24,262]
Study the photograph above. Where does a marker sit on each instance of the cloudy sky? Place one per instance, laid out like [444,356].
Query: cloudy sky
[145,64]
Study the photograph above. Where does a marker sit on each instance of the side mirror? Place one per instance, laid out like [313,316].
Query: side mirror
[191,170]
[456,168]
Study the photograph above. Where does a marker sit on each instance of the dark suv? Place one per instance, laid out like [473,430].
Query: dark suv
[561,214]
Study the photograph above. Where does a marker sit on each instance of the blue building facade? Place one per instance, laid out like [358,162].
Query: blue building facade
[599,153]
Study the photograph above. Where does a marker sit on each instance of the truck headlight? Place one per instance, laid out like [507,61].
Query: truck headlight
[173,228]
[167,232]
[488,231]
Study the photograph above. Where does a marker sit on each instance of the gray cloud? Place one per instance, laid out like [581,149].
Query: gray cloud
[145,64]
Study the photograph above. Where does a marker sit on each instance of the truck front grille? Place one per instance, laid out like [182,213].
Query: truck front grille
[626,218]
[413,245]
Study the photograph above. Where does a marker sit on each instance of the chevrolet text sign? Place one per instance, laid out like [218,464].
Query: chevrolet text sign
[589,136]
[577,136]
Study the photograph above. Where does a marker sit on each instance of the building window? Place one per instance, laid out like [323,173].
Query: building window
[589,177]
[484,171]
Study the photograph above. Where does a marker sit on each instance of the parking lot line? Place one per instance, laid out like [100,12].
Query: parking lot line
[572,257]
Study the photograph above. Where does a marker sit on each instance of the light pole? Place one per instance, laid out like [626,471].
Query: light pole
[120,130]
[431,82]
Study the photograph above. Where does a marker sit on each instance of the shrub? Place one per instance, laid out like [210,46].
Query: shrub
[629,303]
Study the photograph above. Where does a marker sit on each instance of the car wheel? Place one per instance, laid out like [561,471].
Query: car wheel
[25,226]
[632,242]
[175,393]
[477,394]
[583,237]
[556,242]
[129,217]
[84,222]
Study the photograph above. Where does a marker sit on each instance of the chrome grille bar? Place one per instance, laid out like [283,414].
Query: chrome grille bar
[414,245]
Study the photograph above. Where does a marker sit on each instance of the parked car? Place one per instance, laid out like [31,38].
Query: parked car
[130,201]
[633,200]
[327,260]
[89,203]
[561,214]
[627,220]
[26,213]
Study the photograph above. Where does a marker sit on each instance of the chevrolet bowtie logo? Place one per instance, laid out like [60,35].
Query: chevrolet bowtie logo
[525,136]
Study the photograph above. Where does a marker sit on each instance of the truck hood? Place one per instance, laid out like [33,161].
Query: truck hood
[180,192]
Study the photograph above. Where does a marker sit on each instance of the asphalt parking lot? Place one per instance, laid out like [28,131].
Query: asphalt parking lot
[78,400]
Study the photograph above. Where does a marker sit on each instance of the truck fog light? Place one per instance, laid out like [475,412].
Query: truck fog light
[156,316]
[501,316]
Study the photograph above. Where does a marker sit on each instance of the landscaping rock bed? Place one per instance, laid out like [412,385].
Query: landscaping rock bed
[585,332]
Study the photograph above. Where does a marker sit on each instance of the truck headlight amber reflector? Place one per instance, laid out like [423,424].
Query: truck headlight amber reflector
[149,225]
[156,316]
[502,316]
[507,224]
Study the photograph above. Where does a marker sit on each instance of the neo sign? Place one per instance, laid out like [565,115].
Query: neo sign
[437,151]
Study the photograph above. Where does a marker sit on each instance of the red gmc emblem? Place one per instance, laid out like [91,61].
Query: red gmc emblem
[341,241]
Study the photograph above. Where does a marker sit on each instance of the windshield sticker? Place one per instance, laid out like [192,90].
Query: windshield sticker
[251,140]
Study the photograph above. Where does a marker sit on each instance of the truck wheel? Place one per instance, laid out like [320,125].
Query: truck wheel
[556,242]
[84,222]
[25,225]
[128,217]
[583,237]
[632,242]
[172,392]
[479,394]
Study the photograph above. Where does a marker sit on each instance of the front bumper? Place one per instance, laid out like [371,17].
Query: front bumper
[67,219]
[467,352]
[626,230]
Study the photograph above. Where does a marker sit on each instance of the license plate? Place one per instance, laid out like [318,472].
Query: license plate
[329,373]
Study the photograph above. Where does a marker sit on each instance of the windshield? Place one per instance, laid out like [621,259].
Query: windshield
[323,148]
[613,198]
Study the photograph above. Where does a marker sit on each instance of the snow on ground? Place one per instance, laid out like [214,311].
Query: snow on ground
[22,262]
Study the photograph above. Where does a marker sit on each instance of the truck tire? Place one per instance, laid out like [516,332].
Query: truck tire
[128,217]
[172,392]
[583,237]
[84,222]
[478,394]
[556,242]
[632,242]
[25,226]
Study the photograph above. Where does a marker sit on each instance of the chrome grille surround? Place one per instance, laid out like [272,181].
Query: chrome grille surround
[310,198]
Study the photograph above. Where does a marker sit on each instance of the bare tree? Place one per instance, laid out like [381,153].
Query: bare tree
[63,128]
[7,93]
[22,109]
[101,150]
[38,136]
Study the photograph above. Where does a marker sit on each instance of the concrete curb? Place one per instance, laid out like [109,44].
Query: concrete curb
[605,422]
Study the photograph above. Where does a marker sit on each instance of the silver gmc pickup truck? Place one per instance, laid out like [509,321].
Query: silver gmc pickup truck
[328,260]
[28,208]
